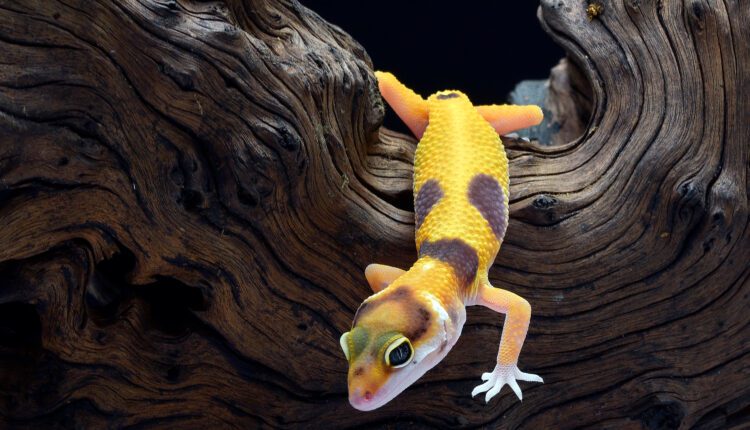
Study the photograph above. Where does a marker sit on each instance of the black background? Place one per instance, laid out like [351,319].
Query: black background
[483,48]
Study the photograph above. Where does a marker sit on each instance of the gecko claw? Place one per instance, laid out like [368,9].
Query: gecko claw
[503,374]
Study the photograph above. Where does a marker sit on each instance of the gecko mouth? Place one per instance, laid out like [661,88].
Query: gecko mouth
[368,400]
[363,404]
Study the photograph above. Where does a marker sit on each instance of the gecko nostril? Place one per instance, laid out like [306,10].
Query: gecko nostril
[368,395]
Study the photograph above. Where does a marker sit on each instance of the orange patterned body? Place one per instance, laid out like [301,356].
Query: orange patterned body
[457,145]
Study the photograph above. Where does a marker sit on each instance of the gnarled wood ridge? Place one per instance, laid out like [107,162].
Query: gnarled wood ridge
[189,192]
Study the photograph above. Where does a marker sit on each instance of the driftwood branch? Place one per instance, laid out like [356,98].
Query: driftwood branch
[189,192]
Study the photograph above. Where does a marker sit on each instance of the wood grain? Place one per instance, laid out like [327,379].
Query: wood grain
[190,191]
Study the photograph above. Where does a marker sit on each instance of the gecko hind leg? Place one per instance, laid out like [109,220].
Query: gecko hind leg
[516,325]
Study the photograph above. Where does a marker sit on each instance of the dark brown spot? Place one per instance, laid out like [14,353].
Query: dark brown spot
[419,326]
[457,253]
[486,194]
[359,371]
[427,197]
[447,96]
[402,293]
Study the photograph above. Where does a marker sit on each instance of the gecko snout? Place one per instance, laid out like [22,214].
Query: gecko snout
[361,399]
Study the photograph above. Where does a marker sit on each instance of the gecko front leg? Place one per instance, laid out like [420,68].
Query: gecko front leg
[518,315]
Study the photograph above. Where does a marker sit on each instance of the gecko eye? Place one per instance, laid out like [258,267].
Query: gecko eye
[399,353]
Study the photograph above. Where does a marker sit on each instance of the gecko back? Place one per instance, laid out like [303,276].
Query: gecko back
[461,160]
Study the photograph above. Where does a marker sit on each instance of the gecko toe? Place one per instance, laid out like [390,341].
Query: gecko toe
[490,394]
[516,389]
[482,388]
[530,377]
[500,376]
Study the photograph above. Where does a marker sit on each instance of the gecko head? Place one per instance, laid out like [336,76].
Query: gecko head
[397,336]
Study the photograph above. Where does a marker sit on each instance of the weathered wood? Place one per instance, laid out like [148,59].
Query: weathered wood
[190,191]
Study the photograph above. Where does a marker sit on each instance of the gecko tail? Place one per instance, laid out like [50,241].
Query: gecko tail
[508,118]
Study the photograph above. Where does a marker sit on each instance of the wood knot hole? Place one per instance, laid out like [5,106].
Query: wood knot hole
[544,202]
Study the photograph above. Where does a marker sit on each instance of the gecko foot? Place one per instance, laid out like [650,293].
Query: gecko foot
[503,374]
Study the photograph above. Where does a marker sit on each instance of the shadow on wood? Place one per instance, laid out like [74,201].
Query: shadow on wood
[189,192]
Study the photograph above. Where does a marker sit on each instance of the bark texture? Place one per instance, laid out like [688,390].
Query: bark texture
[190,191]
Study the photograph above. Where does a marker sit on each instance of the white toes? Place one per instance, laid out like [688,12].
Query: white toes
[490,394]
[521,376]
[500,376]
[516,389]
[482,388]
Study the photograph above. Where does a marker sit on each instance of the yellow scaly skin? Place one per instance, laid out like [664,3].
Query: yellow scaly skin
[461,208]
[457,145]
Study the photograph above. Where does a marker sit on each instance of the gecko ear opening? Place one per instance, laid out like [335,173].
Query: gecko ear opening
[344,342]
